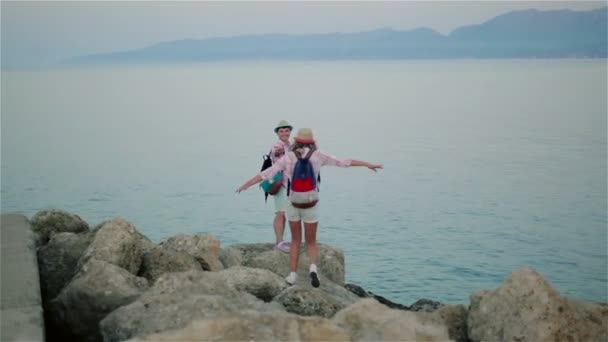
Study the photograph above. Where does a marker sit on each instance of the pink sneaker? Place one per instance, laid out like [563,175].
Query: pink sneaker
[283,246]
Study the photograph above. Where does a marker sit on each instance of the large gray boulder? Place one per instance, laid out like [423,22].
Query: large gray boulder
[45,223]
[368,320]
[330,261]
[175,300]
[325,301]
[119,243]
[342,296]
[254,326]
[98,289]
[261,283]
[454,317]
[306,301]
[158,261]
[204,247]
[527,308]
[204,282]
[57,261]
[231,257]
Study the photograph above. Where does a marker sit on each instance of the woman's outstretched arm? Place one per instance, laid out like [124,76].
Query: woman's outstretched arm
[373,167]
[327,159]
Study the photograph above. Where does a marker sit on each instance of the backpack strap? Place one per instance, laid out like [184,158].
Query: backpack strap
[307,156]
[309,153]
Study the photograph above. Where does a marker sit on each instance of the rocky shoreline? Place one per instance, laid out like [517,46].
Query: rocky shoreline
[111,283]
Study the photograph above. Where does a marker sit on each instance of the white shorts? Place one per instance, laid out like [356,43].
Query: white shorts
[309,215]
[280,200]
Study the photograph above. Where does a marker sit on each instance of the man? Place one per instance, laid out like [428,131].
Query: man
[283,132]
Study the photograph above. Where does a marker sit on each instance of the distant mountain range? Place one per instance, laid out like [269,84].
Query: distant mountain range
[518,34]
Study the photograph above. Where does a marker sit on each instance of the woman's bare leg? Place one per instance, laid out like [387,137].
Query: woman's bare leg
[296,240]
[311,243]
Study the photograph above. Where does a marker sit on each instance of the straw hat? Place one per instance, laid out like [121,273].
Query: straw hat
[305,136]
[283,124]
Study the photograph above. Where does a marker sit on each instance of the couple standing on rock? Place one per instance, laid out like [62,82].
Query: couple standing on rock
[296,200]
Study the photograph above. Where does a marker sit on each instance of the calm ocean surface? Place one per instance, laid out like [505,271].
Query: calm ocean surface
[490,166]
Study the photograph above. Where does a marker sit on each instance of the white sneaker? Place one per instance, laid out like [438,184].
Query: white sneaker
[292,278]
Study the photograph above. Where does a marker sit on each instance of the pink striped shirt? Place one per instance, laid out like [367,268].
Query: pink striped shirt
[288,162]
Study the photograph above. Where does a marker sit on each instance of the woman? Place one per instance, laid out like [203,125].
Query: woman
[305,145]
[283,131]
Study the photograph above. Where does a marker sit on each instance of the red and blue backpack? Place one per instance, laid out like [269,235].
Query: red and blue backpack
[303,190]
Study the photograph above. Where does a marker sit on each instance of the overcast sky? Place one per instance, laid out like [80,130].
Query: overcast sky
[46,31]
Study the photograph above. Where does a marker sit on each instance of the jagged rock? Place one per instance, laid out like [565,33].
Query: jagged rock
[362,293]
[357,290]
[527,308]
[389,303]
[307,301]
[95,291]
[331,263]
[153,314]
[230,257]
[368,320]
[263,284]
[454,317]
[246,251]
[158,261]
[255,326]
[179,298]
[262,255]
[57,261]
[45,223]
[204,247]
[205,282]
[425,305]
[119,243]
[338,292]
